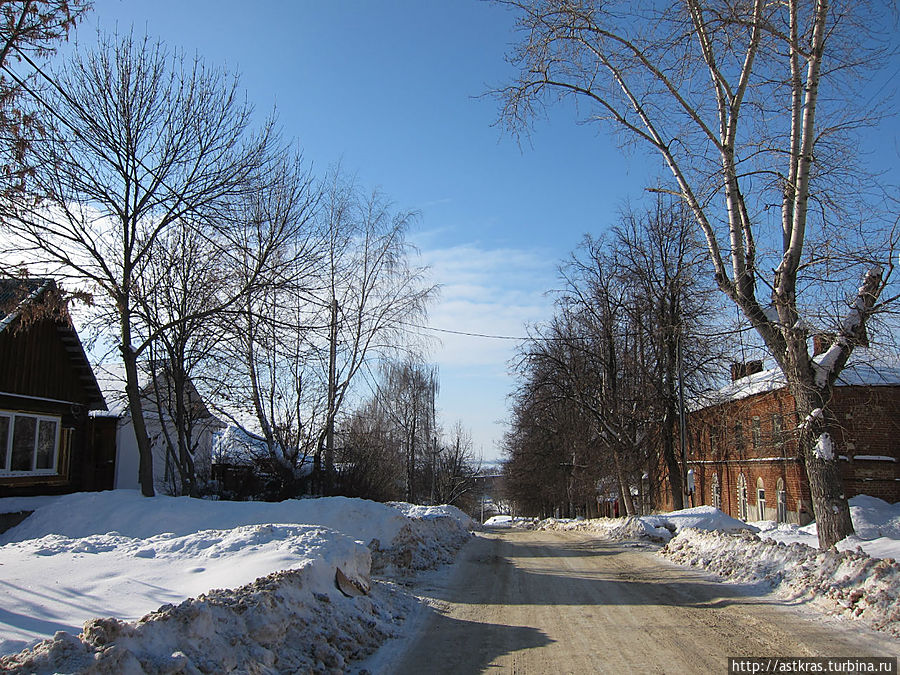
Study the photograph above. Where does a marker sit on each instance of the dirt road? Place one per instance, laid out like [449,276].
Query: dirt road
[553,602]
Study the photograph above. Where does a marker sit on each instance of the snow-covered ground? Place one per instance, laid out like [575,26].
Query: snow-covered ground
[300,570]
[859,580]
[113,582]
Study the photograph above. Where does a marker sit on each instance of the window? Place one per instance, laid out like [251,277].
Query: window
[781,495]
[716,491]
[29,444]
[742,497]
[714,439]
[739,435]
[760,499]
[755,432]
[778,430]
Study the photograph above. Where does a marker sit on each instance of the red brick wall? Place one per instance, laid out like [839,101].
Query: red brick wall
[740,437]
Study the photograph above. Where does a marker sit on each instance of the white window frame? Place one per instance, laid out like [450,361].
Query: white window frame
[716,492]
[760,499]
[781,495]
[743,507]
[53,470]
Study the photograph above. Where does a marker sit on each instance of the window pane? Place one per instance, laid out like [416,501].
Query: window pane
[4,440]
[24,432]
[46,447]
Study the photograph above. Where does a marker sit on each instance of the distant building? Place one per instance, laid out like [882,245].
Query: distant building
[743,443]
[48,442]
[157,398]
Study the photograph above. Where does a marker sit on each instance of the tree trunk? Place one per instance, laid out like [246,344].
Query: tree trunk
[673,468]
[817,447]
[132,391]
[623,483]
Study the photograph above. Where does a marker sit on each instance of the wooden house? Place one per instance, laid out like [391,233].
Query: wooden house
[49,444]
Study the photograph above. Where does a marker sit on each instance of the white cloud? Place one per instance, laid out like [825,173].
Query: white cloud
[488,292]
[496,292]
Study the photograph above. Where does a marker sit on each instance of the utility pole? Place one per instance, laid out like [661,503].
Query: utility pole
[682,427]
[332,361]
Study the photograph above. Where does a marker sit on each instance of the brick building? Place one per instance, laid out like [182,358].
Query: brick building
[742,443]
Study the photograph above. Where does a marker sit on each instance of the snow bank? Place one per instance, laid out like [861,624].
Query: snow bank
[499,521]
[698,518]
[128,513]
[276,624]
[119,554]
[442,511]
[511,521]
[877,525]
[849,583]
[431,537]
[654,527]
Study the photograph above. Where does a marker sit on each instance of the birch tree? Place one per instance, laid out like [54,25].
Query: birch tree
[752,108]
[371,290]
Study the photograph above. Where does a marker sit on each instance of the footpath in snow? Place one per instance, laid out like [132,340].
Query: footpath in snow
[859,579]
[295,579]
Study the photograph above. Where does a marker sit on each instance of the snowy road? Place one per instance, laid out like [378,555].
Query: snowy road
[554,602]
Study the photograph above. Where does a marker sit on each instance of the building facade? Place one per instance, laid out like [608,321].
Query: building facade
[48,442]
[743,453]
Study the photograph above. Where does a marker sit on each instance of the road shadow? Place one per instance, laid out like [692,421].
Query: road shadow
[452,646]
[506,571]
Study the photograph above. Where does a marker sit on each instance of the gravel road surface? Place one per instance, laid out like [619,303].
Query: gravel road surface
[557,602]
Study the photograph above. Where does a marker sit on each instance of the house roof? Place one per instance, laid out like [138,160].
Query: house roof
[862,371]
[16,295]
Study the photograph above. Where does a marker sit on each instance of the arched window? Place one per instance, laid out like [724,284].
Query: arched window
[781,495]
[716,492]
[742,497]
[760,499]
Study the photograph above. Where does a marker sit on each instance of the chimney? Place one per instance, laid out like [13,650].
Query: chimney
[746,369]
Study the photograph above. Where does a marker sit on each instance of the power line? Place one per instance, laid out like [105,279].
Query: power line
[539,338]
[434,329]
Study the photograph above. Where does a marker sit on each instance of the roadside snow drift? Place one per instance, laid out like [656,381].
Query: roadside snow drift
[849,583]
[860,579]
[117,554]
[654,527]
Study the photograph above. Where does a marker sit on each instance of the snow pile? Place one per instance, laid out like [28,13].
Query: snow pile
[511,521]
[877,525]
[119,554]
[655,527]
[845,582]
[698,518]
[499,521]
[288,621]
[421,544]
[128,513]
[617,529]
[442,511]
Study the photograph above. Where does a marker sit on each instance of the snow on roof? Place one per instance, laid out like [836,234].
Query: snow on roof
[16,294]
[857,373]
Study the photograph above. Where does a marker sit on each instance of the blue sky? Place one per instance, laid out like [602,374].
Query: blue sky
[392,90]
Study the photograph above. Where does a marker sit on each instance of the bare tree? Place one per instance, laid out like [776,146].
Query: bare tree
[141,142]
[671,310]
[454,471]
[267,379]
[752,107]
[29,29]
[371,292]
[176,297]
